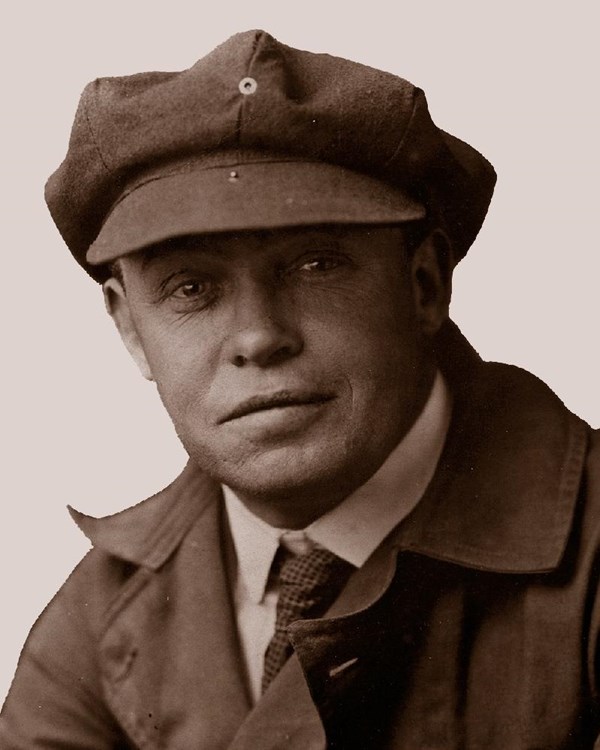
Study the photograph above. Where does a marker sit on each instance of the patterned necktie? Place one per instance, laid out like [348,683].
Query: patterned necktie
[308,585]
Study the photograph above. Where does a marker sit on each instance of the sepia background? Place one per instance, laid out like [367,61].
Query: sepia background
[517,80]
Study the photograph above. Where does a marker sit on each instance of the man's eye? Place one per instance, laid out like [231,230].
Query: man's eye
[191,289]
[320,264]
[197,292]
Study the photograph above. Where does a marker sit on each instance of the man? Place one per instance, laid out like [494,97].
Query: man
[379,541]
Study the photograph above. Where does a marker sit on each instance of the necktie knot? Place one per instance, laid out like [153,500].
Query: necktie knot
[308,585]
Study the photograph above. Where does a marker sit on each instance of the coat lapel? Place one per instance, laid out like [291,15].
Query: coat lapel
[329,653]
[285,717]
[170,654]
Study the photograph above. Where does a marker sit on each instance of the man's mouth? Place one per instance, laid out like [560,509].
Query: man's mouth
[277,400]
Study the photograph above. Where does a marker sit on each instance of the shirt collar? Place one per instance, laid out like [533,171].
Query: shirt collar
[356,527]
[255,544]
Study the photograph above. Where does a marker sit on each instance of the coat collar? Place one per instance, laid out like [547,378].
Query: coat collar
[505,490]
[148,533]
[502,498]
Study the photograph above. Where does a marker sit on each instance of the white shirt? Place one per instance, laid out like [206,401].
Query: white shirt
[352,530]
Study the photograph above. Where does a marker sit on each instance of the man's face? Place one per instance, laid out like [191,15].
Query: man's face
[291,362]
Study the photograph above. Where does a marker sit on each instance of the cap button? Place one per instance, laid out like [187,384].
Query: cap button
[247,86]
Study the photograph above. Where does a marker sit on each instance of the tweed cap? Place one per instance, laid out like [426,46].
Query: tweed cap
[258,135]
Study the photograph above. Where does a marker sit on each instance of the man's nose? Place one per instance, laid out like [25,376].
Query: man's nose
[264,330]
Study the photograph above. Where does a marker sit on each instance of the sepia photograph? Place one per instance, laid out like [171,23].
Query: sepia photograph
[301,377]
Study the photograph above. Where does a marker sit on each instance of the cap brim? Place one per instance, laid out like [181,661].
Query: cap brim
[247,197]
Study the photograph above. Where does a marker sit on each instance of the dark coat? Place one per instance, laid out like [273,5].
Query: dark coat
[474,625]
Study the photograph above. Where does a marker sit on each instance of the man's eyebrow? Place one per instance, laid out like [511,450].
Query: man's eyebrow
[152,252]
[147,255]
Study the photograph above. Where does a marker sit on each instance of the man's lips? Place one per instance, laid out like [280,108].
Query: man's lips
[277,400]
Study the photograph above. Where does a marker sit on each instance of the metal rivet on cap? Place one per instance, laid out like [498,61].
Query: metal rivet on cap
[247,86]
[233,176]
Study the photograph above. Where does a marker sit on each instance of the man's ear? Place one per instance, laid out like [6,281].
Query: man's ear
[431,276]
[117,306]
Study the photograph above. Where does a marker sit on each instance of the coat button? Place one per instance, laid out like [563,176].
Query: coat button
[247,86]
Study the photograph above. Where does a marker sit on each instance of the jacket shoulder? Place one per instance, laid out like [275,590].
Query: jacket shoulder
[57,692]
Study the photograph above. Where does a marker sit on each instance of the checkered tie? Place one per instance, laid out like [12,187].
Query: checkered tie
[308,585]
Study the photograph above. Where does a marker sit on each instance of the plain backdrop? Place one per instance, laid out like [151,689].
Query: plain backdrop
[518,80]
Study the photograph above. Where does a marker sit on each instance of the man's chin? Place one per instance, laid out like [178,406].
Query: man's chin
[286,473]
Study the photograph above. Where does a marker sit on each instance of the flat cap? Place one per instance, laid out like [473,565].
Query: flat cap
[258,135]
